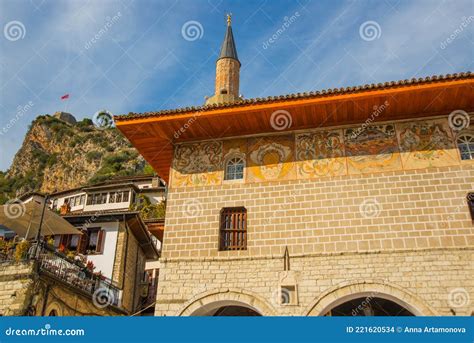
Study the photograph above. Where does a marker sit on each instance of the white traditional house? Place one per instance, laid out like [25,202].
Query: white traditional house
[120,240]
[99,210]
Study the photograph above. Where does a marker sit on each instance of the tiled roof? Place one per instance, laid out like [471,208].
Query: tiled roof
[112,182]
[306,95]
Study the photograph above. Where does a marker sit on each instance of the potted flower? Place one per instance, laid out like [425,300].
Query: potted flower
[90,266]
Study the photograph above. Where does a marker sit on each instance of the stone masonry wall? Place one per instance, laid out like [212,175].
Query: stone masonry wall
[425,280]
[408,228]
[227,76]
[386,203]
[16,287]
[23,291]
[399,210]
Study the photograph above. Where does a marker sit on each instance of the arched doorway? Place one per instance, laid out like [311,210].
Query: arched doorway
[227,302]
[53,313]
[368,295]
[226,308]
[369,306]
[236,311]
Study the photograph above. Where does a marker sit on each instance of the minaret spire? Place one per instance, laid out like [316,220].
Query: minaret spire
[227,70]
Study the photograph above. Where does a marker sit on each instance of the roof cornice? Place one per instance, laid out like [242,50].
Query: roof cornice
[295,96]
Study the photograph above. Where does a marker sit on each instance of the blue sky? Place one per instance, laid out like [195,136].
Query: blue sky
[144,62]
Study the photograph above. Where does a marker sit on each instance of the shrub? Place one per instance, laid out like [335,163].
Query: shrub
[21,250]
[93,155]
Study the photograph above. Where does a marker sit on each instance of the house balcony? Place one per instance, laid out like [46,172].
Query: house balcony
[58,267]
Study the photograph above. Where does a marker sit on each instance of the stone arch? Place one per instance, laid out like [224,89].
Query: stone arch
[53,307]
[350,290]
[206,301]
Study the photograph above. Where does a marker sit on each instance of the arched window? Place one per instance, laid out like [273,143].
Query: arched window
[53,313]
[234,169]
[466,146]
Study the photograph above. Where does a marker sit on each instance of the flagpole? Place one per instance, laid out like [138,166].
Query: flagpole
[65,97]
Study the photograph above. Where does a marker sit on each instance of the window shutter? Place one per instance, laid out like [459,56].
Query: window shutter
[470,202]
[100,241]
[233,228]
[83,242]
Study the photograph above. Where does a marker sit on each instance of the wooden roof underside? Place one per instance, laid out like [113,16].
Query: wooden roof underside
[154,136]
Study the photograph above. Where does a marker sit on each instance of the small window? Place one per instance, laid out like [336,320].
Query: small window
[233,229]
[126,196]
[69,242]
[223,91]
[234,169]
[466,146]
[95,241]
[83,198]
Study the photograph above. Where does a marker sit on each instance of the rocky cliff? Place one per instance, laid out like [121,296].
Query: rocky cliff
[58,155]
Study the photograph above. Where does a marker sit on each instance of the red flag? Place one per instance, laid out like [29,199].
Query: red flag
[65,96]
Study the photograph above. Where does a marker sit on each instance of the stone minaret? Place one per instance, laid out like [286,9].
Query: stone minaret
[227,71]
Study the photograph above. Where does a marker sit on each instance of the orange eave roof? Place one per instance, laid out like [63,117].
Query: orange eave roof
[154,133]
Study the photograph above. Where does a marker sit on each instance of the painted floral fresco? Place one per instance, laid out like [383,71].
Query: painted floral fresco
[427,144]
[373,149]
[320,154]
[316,154]
[270,158]
[198,164]
[235,147]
